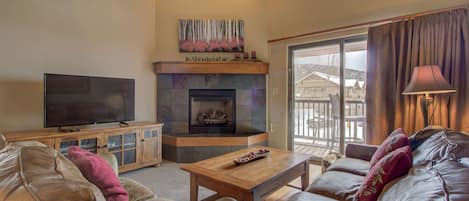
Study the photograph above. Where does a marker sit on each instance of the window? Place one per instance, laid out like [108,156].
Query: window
[335,113]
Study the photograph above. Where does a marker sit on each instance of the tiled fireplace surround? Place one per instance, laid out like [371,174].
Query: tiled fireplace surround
[173,100]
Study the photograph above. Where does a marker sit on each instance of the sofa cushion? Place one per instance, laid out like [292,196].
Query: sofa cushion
[337,185]
[99,172]
[37,173]
[350,165]
[395,140]
[461,139]
[454,179]
[420,136]
[441,146]
[424,187]
[303,196]
[447,180]
[392,166]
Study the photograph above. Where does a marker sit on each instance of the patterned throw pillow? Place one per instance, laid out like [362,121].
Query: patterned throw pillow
[395,140]
[392,166]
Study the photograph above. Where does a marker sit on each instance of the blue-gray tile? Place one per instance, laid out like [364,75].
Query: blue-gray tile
[180,112]
[180,96]
[259,82]
[236,81]
[212,81]
[196,82]
[167,127]
[169,152]
[259,125]
[243,113]
[258,98]
[164,113]
[185,154]
[179,127]
[164,97]
[244,97]
[243,127]
[164,81]
[180,81]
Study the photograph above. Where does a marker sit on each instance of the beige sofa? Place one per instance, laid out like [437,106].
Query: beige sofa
[30,171]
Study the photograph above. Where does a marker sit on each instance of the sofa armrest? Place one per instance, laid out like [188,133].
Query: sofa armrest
[360,151]
[111,160]
[137,191]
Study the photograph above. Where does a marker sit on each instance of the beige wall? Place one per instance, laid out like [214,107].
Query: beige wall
[302,16]
[290,17]
[121,38]
[103,38]
[253,12]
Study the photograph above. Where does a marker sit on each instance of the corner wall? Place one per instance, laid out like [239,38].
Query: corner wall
[112,38]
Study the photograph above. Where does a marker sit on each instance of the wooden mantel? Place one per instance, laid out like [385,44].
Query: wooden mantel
[174,67]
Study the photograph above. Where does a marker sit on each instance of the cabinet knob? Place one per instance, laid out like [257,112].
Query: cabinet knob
[143,140]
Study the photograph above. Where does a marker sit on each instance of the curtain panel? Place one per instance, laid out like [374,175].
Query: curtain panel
[394,49]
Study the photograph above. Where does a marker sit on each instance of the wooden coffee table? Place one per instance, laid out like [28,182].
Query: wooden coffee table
[248,182]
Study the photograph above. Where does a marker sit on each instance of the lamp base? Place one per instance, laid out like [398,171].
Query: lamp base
[425,102]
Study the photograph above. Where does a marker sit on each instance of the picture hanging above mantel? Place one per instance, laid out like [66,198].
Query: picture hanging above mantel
[211,35]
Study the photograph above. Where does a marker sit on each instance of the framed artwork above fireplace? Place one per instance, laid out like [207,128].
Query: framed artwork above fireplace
[211,35]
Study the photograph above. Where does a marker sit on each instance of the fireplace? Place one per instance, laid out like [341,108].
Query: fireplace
[212,111]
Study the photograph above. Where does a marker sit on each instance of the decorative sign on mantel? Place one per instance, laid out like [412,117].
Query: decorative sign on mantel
[211,35]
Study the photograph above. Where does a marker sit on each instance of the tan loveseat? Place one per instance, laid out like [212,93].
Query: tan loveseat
[30,171]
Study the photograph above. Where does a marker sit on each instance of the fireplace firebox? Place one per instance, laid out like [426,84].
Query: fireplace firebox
[212,111]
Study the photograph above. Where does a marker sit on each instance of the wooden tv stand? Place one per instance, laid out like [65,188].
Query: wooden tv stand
[135,146]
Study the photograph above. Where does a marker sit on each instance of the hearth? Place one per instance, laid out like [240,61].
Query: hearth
[212,111]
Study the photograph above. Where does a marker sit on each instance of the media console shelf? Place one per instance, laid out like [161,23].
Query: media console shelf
[135,146]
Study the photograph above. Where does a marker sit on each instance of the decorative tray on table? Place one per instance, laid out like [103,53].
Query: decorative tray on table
[252,156]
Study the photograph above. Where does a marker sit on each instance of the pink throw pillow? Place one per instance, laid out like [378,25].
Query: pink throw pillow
[395,140]
[392,166]
[97,171]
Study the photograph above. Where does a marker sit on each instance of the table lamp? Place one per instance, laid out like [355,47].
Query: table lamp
[427,80]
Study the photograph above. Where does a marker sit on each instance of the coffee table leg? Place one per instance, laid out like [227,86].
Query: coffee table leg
[194,187]
[305,177]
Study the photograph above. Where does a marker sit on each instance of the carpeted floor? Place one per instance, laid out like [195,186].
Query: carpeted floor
[166,181]
[170,182]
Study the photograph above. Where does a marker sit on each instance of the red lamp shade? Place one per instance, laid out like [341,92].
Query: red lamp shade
[428,80]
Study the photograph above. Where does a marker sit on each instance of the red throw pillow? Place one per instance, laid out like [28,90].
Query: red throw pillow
[97,171]
[392,166]
[395,140]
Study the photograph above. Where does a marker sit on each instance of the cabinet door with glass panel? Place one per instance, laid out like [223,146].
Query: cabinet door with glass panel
[93,143]
[123,145]
[151,145]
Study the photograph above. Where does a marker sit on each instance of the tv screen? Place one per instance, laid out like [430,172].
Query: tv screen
[71,100]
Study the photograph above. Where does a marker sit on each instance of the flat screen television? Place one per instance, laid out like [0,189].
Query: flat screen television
[71,100]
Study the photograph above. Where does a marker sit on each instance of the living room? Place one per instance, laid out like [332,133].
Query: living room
[234,100]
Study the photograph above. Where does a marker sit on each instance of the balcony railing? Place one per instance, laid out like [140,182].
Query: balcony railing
[319,121]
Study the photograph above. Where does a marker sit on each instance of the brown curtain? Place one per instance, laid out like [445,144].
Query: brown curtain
[394,49]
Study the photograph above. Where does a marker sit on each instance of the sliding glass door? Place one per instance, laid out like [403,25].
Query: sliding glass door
[327,95]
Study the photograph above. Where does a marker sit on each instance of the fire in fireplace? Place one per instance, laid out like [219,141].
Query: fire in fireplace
[212,111]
